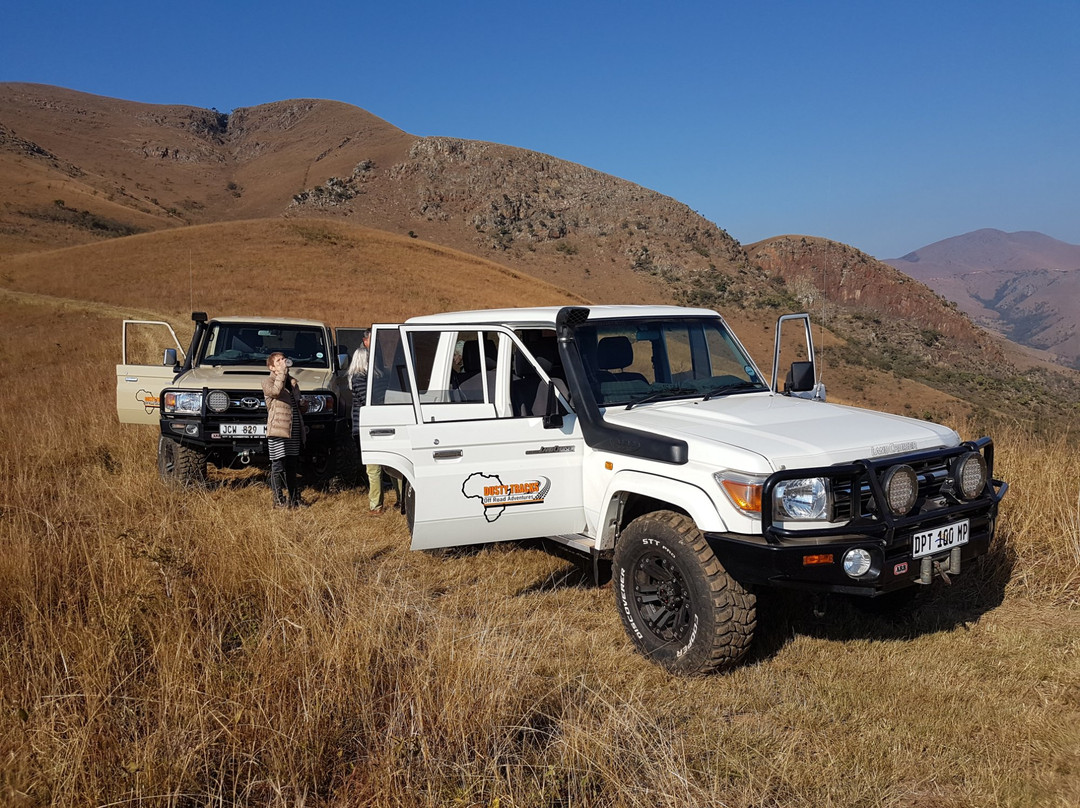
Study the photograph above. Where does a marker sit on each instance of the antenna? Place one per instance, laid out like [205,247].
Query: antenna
[191,282]
[824,295]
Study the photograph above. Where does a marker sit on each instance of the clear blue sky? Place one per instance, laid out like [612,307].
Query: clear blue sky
[886,126]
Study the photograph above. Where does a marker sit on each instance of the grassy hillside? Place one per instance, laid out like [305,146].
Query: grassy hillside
[327,270]
[172,648]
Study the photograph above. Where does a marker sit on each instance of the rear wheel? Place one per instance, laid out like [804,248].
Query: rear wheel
[338,467]
[181,465]
[678,604]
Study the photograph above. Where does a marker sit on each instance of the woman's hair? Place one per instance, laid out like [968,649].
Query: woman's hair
[359,364]
[273,358]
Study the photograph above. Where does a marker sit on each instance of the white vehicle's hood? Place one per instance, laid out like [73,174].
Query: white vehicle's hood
[787,432]
[249,378]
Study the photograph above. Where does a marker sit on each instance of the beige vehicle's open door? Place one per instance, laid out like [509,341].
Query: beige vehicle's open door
[138,387]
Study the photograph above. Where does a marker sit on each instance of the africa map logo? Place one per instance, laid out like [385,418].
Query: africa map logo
[496,496]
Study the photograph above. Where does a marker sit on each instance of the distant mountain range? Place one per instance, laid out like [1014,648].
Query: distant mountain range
[1025,285]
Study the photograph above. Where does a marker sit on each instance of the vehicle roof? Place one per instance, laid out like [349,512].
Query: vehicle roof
[268,321]
[545,315]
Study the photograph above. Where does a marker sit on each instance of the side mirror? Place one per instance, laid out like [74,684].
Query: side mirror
[342,357]
[800,378]
[169,360]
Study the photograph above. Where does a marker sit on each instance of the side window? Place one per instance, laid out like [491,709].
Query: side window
[476,354]
[389,375]
[431,384]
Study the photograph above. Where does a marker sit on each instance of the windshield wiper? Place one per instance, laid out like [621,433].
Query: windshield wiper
[742,387]
[672,392]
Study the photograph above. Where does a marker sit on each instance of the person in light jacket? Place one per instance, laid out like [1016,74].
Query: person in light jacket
[358,373]
[285,430]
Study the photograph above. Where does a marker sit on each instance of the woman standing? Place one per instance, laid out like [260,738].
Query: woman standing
[358,373]
[284,429]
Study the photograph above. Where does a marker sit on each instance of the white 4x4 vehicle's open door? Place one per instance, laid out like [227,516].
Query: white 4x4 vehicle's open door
[138,386]
[462,411]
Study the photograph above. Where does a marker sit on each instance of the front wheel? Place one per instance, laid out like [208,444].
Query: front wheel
[678,604]
[181,465]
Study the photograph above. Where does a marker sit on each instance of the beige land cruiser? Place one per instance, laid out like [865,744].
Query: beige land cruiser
[208,401]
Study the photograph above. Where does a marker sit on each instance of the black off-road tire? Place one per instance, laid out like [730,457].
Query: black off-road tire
[679,606]
[181,465]
[408,502]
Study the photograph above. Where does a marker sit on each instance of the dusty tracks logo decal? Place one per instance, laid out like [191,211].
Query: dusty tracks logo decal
[496,496]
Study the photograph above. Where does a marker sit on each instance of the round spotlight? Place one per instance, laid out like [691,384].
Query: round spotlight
[901,489]
[969,474]
[857,562]
[217,401]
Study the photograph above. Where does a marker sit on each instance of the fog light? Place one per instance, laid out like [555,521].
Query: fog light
[857,562]
[901,489]
[218,401]
[191,429]
[969,474]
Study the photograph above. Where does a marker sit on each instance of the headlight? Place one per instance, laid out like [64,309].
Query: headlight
[744,490]
[316,402]
[217,401]
[901,489]
[969,475]
[804,499]
[183,401]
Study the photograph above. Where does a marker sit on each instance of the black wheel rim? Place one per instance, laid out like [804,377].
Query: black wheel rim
[662,597]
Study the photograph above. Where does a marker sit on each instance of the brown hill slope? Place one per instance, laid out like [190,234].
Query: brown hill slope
[893,323]
[1023,285]
[350,275]
[119,164]
[821,272]
[342,273]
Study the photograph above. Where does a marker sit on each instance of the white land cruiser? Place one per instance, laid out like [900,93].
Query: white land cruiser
[645,435]
[210,406]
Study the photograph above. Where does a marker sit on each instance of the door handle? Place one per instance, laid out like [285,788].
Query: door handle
[446,454]
[382,433]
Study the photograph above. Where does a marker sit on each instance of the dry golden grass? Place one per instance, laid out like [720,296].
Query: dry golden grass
[169,648]
[326,270]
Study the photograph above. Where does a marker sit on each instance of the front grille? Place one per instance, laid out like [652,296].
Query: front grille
[244,403]
[853,496]
[859,499]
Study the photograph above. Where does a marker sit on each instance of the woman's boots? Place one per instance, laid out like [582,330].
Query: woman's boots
[284,487]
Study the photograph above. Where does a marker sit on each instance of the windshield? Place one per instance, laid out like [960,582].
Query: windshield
[251,344]
[637,360]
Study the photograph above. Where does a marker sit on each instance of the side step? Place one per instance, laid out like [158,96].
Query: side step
[583,544]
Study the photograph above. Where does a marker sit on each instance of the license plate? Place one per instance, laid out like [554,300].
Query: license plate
[940,539]
[243,430]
